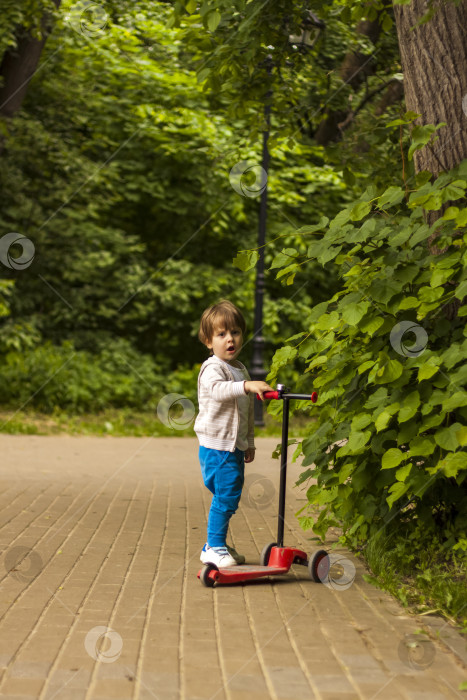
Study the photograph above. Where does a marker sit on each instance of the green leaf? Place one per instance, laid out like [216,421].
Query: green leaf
[455,401]
[357,440]
[461,436]
[371,325]
[213,20]
[397,490]
[382,420]
[328,322]
[365,365]
[428,294]
[203,74]
[454,190]
[246,260]
[421,447]
[409,409]
[409,303]
[360,421]
[317,311]
[353,313]
[330,253]
[461,218]
[387,23]
[453,463]
[461,290]
[440,276]
[447,437]
[284,258]
[450,213]
[426,371]
[341,219]
[359,211]
[403,472]
[323,222]
[383,290]
[392,458]
[316,361]
[389,372]
[421,135]
[393,195]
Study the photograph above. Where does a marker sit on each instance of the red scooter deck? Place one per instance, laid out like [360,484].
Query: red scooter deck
[276,561]
[244,572]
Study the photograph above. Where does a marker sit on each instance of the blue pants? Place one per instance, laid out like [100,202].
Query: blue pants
[223,474]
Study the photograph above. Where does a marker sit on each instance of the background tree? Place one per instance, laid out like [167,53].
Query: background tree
[434,60]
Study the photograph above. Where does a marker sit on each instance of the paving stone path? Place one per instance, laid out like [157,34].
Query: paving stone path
[99,551]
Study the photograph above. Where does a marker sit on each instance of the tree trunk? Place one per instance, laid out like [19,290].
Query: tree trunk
[434,62]
[18,66]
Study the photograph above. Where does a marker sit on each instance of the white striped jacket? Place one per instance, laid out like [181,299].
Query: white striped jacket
[218,419]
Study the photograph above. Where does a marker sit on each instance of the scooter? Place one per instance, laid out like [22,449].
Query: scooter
[275,559]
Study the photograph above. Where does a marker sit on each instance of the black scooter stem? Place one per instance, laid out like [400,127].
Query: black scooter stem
[283,394]
[283,473]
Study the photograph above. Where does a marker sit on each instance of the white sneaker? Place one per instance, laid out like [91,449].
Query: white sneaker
[217,555]
[239,558]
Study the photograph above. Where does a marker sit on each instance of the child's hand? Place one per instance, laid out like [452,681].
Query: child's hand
[257,388]
[249,454]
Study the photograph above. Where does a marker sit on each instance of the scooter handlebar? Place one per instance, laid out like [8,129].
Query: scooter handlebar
[275,395]
[269,395]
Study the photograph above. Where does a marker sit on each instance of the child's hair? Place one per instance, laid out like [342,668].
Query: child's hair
[223,314]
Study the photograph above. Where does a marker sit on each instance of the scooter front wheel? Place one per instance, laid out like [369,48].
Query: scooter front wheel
[266,553]
[319,565]
[206,580]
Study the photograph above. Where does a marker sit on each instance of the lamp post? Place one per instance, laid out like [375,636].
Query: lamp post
[311,30]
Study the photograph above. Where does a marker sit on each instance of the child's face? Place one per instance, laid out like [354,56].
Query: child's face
[226,344]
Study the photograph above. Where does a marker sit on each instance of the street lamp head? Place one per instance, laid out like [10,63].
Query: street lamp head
[312,27]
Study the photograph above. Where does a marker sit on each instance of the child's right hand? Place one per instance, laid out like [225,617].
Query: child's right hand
[257,388]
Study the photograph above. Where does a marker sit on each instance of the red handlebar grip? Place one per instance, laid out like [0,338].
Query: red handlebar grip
[314,397]
[269,395]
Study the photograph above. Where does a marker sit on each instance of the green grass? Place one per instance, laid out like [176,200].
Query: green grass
[120,422]
[418,572]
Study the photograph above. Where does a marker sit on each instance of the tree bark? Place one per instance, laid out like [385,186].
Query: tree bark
[18,66]
[434,62]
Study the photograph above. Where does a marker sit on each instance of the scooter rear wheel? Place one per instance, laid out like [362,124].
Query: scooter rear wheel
[319,565]
[266,553]
[206,580]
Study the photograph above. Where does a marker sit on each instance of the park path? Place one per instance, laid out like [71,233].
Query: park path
[99,550]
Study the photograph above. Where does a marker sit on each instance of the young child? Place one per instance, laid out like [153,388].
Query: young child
[225,424]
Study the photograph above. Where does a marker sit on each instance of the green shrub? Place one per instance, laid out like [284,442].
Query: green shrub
[390,441]
[48,376]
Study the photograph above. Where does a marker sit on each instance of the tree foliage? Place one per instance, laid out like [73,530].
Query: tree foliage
[117,169]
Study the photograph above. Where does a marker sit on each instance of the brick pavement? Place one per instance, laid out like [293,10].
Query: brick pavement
[99,547]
